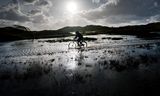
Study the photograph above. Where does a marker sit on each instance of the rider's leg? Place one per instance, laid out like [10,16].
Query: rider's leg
[81,43]
[78,42]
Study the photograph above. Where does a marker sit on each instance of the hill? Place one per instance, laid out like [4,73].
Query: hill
[17,32]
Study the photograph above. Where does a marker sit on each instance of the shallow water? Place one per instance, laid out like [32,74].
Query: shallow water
[125,67]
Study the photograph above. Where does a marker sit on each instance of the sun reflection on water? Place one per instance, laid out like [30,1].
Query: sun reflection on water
[72,60]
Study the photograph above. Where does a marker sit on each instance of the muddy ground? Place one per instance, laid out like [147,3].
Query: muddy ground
[111,65]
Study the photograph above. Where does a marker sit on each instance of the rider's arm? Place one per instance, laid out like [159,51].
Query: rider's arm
[75,37]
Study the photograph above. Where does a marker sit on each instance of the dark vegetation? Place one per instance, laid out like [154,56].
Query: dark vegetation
[66,40]
[19,32]
[15,33]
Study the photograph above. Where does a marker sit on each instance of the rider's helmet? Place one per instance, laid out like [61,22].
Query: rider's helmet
[77,32]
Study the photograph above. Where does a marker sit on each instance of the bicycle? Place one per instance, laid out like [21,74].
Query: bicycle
[74,44]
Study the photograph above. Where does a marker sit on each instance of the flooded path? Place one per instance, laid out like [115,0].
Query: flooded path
[112,65]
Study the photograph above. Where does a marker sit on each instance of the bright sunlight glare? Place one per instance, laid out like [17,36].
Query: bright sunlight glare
[72,7]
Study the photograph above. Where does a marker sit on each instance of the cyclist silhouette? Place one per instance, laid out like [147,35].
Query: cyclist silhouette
[79,38]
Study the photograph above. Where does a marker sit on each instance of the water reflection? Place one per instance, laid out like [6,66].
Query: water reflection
[72,63]
[74,58]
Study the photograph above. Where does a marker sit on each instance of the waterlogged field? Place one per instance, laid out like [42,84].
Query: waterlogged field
[111,65]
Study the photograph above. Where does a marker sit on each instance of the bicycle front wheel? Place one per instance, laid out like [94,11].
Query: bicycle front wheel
[72,45]
[84,44]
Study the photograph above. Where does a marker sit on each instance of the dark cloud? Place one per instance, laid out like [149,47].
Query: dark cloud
[35,12]
[115,11]
[13,15]
[12,12]
[42,3]
[29,1]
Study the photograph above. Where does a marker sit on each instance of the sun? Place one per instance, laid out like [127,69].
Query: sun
[72,7]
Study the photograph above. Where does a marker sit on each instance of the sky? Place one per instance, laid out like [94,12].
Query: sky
[55,14]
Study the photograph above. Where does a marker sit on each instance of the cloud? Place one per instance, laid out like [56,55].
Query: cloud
[29,1]
[123,11]
[154,18]
[13,15]
[12,12]
[96,1]
[115,2]
[42,3]
[51,14]
[16,12]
